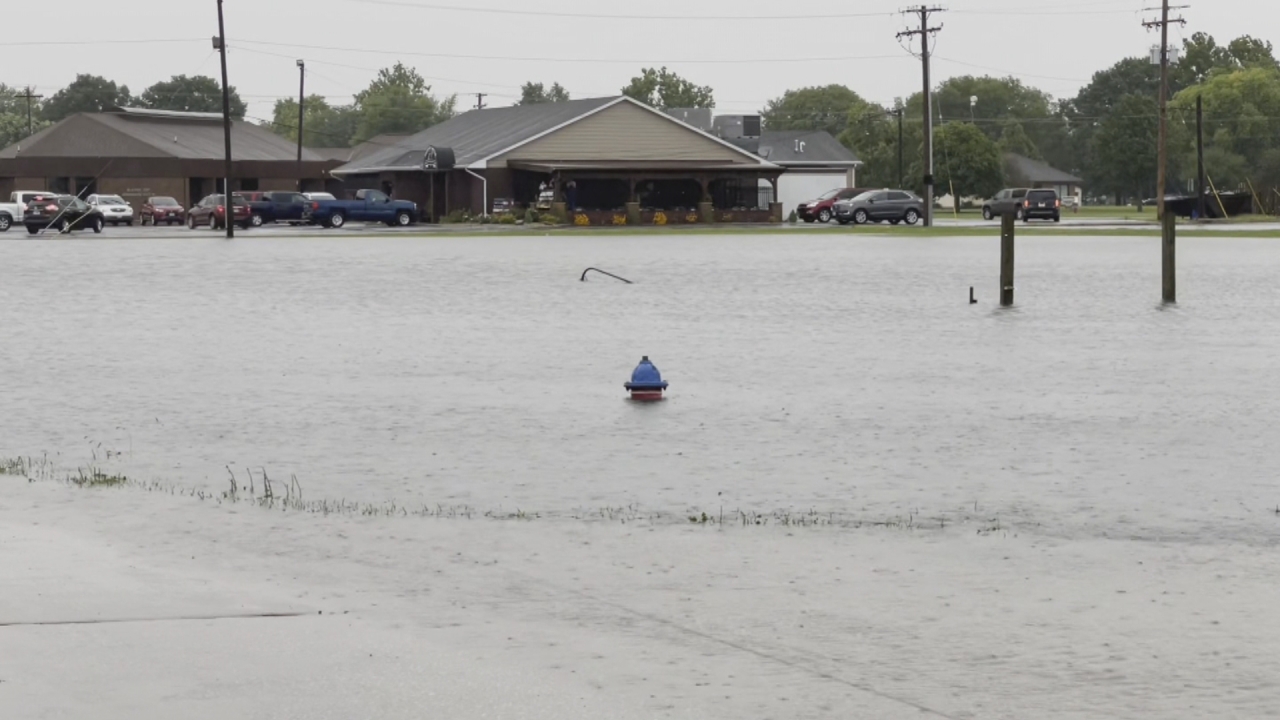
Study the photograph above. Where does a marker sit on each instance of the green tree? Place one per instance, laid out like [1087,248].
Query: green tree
[325,125]
[1241,112]
[1013,139]
[664,89]
[1123,151]
[399,100]
[1203,57]
[87,93]
[532,93]
[968,163]
[1095,106]
[827,108]
[13,116]
[872,135]
[198,93]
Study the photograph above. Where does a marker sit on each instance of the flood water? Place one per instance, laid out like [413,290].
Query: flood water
[837,374]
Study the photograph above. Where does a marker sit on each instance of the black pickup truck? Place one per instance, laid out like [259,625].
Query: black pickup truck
[279,206]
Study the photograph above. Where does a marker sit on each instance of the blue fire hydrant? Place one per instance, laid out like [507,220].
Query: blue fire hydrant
[646,382]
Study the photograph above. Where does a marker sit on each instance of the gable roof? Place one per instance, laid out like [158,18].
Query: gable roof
[134,133]
[1033,171]
[480,135]
[799,147]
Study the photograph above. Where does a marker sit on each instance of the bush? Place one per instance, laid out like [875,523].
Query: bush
[530,217]
[793,218]
[548,219]
[458,216]
[484,219]
[506,219]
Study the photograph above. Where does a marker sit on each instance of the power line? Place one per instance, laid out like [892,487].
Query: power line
[592,61]
[799,17]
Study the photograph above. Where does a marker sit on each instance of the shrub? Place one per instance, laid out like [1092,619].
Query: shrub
[793,218]
[506,219]
[548,219]
[458,216]
[530,217]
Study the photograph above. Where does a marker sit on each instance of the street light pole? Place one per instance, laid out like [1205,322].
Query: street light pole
[220,43]
[302,81]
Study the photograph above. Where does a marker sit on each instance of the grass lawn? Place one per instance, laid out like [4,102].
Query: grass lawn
[992,231]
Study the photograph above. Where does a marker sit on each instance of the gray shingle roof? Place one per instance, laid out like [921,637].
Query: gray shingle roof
[783,147]
[1024,169]
[474,135]
[135,133]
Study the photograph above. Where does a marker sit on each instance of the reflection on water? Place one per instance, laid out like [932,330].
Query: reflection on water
[806,372]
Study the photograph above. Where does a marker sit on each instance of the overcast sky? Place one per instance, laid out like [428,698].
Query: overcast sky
[1053,45]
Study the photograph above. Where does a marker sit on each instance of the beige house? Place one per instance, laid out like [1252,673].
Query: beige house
[603,161]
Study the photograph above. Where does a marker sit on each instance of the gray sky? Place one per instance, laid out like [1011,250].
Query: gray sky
[1053,45]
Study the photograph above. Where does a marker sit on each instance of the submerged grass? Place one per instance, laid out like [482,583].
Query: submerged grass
[256,488]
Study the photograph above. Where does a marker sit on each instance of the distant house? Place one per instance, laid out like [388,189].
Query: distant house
[815,162]
[1022,171]
[138,153]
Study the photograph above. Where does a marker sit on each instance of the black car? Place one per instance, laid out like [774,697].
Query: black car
[1044,204]
[62,213]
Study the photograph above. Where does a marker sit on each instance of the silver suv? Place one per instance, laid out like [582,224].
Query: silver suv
[1008,200]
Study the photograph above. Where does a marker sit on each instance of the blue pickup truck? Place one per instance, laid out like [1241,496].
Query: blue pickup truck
[369,206]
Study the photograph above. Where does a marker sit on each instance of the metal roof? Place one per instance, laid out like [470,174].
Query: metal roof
[799,147]
[1033,171]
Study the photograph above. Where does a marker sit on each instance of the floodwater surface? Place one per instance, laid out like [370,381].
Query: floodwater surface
[833,374]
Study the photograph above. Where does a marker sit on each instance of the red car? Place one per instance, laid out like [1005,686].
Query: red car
[212,211]
[823,208]
[162,210]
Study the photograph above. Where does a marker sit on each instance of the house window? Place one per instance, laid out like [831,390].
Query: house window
[60,185]
[249,184]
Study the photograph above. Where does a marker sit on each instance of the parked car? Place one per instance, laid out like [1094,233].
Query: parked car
[62,213]
[823,208]
[895,206]
[9,214]
[1043,204]
[114,209]
[22,197]
[162,209]
[369,206]
[1008,200]
[280,206]
[212,211]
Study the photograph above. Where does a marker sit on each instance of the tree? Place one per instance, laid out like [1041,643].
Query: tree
[1123,151]
[1095,106]
[827,108]
[324,125]
[87,93]
[532,93]
[664,89]
[1241,111]
[13,116]
[1013,139]
[198,93]
[399,101]
[968,162]
[1202,57]
[872,135]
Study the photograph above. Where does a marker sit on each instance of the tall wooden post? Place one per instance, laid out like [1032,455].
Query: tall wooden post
[1168,241]
[1006,259]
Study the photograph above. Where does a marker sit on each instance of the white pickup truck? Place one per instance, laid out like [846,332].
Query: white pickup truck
[11,212]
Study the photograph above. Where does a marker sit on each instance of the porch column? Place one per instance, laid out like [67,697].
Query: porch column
[558,207]
[775,207]
[706,211]
[633,202]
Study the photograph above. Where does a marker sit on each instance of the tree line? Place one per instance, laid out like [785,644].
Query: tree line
[1106,134]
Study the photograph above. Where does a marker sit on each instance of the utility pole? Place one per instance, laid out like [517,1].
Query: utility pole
[29,97]
[302,83]
[924,11]
[480,100]
[220,44]
[1163,152]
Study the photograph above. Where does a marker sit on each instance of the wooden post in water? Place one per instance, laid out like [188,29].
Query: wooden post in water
[1168,242]
[1006,259]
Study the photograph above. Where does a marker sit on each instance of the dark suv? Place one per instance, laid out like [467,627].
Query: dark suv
[1044,204]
